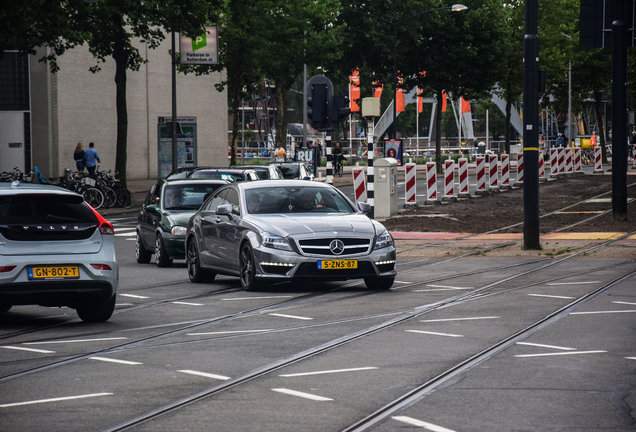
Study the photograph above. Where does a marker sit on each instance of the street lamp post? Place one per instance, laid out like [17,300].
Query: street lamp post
[395,24]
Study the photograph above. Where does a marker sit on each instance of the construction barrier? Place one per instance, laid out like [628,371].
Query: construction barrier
[359,185]
[634,160]
[409,184]
[519,168]
[481,175]
[577,160]
[554,162]
[541,167]
[505,171]
[561,160]
[569,167]
[463,178]
[493,172]
[598,164]
[431,182]
[449,178]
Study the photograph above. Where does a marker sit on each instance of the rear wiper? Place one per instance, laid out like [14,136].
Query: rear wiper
[53,218]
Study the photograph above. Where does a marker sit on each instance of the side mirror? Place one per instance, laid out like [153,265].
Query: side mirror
[364,207]
[306,178]
[225,209]
[153,209]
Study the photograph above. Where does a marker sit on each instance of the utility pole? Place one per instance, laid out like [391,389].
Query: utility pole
[619,110]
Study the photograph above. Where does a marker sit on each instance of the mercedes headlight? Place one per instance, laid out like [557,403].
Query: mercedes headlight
[178,230]
[275,242]
[384,240]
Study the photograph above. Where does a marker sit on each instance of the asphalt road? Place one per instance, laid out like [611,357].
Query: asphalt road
[470,344]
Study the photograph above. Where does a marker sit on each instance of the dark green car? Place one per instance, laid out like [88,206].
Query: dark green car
[164,216]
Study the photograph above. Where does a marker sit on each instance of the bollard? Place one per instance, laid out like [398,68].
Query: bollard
[554,162]
[409,184]
[463,178]
[359,185]
[449,179]
[493,173]
[577,160]
[569,167]
[541,167]
[431,182]
[561,157]
[519,169]
[598,163]
[505,171]
[481,175]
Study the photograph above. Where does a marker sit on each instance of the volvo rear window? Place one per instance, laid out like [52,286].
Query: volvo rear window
[32,209]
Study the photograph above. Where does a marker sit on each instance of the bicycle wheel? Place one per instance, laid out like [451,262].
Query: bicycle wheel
[110,197]
[340,169]
[93,197]
[124,198]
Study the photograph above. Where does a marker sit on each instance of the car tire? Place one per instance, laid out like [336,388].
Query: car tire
[195,272]
[97,312]
[248,269]
[162,259]
[143,256]
[379,283]
[4,307]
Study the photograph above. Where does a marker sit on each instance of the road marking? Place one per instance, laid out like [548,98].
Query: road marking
[133,296]
[126,234]
[627,303]
[546,346]
[460,319]
[449,287]
[434,333]
[106,359]
[28,349]
[203,374]
[121,228]
[74,341]
[124,304]
[550,296]
[422,424]
[561,353]
[227,332]
[328,371]
[573,283]
[54,399]
[601,312]
[301,394]
[189,304]
[290,316]
[402,282]
[254,298]
[630,358]
[434,289]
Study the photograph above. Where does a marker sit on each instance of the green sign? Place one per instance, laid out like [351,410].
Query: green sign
[199,42]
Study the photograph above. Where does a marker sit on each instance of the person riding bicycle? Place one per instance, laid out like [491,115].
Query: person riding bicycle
[337,154]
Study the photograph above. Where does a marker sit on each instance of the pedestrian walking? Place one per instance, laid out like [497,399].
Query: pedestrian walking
[91,158]
[632,144]
[560,141]
[78,156]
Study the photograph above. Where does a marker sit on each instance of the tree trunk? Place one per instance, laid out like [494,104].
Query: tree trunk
[598,111]
[438,132]
[121,158]
[281,88]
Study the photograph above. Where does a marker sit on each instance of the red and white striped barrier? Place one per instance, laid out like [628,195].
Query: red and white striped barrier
[431,182]
[359,185]
[577,160]
[569,166]
[409,184]
[463,178]
[541,167]
[505,171]
[598,164]
[481,175]
[554,162]
[561,160]
[634,160]
[449,178]
[493,172]
[519,168]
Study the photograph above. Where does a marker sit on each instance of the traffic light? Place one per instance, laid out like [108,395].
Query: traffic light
[339,110]
[317,105]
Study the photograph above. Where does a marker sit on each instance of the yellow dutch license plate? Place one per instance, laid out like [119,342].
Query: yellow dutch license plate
[53,272]
[337,264]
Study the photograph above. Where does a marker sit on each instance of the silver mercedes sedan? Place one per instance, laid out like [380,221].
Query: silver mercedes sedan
[272,231]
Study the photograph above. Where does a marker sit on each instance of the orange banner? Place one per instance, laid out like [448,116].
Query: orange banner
[400,106]
[444,101]
[354,90]
[465,106]
[378,89]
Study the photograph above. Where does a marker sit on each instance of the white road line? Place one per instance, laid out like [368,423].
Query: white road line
[547,346]
[434,289]
[434,333]
[28,349]
[124,304]
[560,353]
[572,283]
[601,312]
[254,298]
[550,296]
[301,394]
[106,359]
[189,304]
[54,399]
[74,341]
[627,303]
[328,372]
[203,374]
[630,358]
[402,282]
[126,234]
[449,287]
[121,228]
[130,239]
[133,296]
[290,316]
[227,332]
[422,424]
[460,319]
